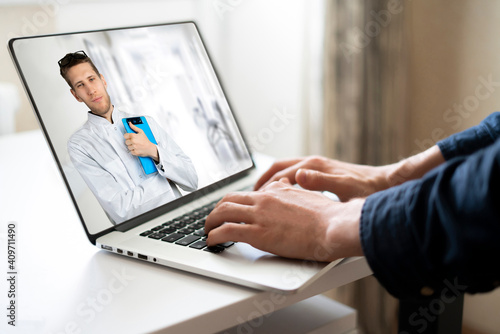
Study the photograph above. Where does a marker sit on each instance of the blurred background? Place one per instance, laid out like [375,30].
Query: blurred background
[363,81]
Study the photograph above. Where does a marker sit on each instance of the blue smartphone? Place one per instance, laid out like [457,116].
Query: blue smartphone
[147,163]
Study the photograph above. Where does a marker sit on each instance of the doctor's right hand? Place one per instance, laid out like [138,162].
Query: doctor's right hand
[139,145]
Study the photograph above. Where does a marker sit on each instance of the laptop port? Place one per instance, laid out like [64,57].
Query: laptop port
[119,251]
[129,253]
[107,247]
[142,257]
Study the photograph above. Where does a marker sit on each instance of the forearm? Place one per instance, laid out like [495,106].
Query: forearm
[414,167]
[122,203]
[460,144]
[154,154]
[117,194]
[178,167]
[441,228]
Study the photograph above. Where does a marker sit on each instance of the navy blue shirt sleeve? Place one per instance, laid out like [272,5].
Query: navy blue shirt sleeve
[441,232]
[472,139]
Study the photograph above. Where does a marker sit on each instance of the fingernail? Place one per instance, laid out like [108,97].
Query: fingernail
[301,176]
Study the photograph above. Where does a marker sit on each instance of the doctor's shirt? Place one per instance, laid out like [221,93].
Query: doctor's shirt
[116,177]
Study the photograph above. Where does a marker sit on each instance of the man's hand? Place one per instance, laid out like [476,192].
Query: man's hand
[139,145]
[348,180]
[289,222]
[344,179]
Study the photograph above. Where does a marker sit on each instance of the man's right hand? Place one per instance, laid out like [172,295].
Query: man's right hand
[289,222]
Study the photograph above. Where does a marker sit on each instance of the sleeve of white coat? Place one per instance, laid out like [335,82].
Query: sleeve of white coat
[174,164]
[120,204]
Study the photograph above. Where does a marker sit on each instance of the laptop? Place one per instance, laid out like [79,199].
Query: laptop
[160,78]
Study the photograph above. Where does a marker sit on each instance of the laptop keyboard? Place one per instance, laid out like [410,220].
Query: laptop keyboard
[187,230]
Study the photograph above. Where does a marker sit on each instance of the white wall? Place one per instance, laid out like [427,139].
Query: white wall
[260,48]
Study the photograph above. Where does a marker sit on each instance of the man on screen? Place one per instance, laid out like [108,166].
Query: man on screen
[107,157]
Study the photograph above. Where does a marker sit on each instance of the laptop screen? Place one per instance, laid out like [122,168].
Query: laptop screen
[137,128]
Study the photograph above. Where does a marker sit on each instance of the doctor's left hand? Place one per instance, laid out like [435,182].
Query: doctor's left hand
[139,145]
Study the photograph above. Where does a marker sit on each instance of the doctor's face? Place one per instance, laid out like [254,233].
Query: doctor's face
[90,88]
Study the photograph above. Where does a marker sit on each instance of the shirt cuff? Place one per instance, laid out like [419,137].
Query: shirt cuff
[389,245]
[473,139]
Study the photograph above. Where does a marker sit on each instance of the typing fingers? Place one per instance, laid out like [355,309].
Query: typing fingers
[230,232]
[275,172]
[231,217]
[237,197]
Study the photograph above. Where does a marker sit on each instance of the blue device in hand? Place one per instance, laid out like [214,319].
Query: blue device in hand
[147,163]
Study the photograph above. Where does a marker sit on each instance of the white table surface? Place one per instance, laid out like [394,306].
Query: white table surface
[66,285]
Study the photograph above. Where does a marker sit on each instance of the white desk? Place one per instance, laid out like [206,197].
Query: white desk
[66,285]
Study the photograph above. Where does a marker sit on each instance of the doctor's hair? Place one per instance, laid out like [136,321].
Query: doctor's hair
[73,59]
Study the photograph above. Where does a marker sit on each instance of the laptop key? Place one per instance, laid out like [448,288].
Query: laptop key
[186,230]
[187,240]
[198,225]
[226,244]
[157,236]
[198,244]
[168,230]
[188,220]
[168,223]
[180,224]
[200,232]
[214,249]
[146,233]
[172,237]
